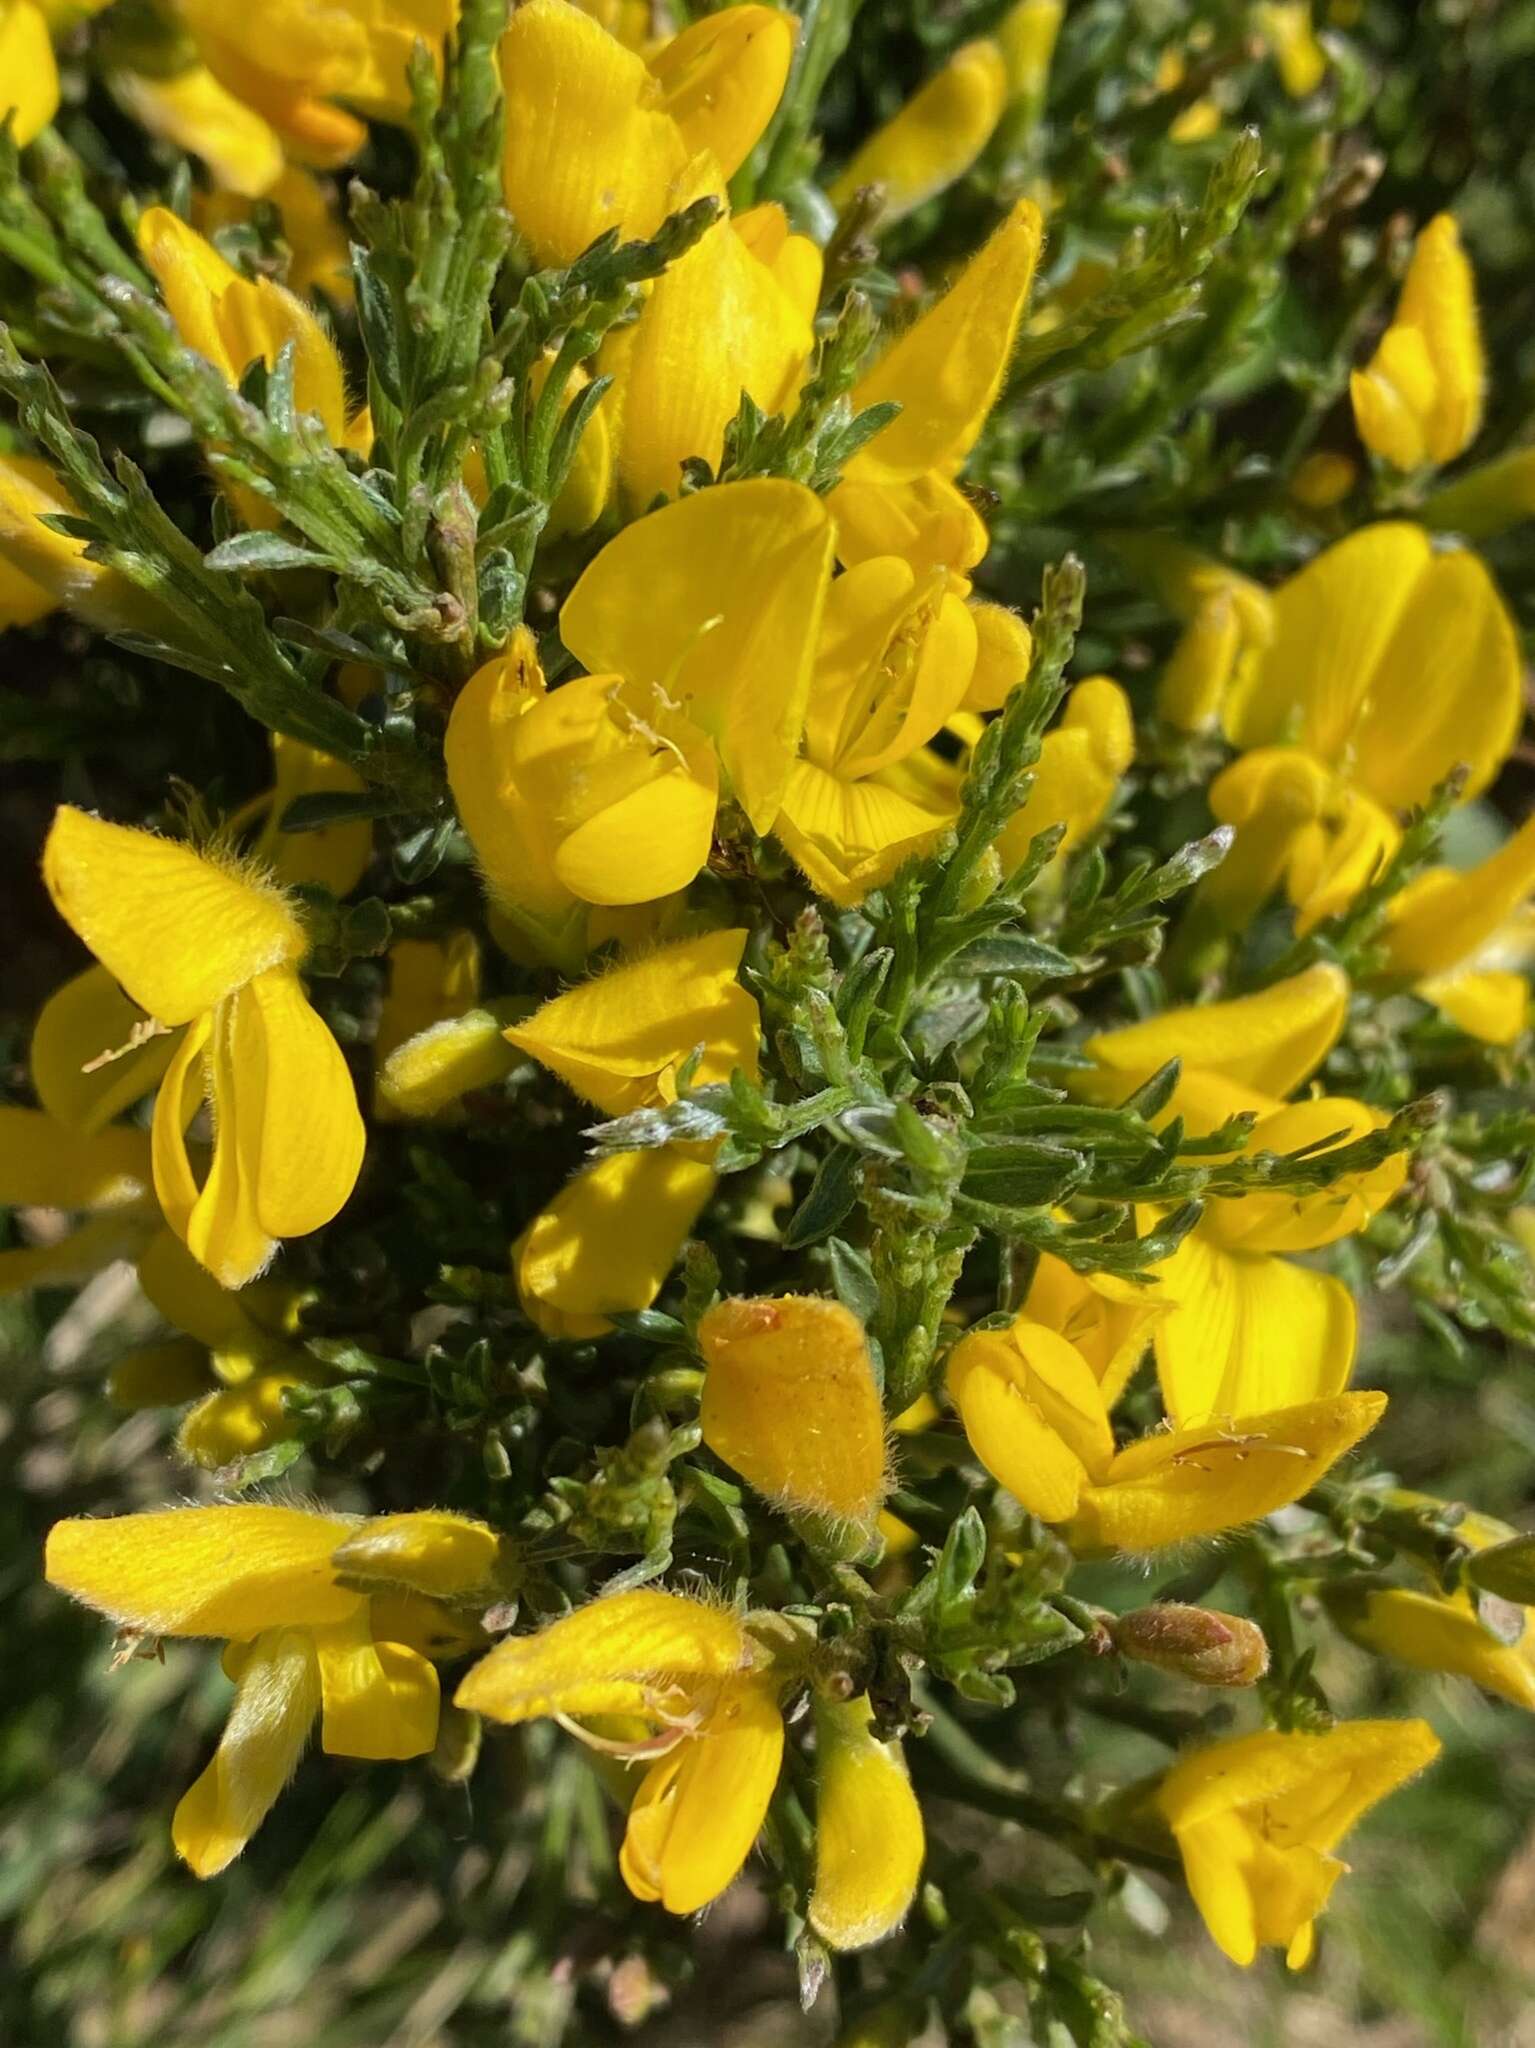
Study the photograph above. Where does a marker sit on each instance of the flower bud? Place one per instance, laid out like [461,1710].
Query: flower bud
[790,1403]
[1193,1642]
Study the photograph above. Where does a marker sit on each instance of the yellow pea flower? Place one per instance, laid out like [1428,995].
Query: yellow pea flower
[1108,1320]
[611,1236]
[301,1643]
[599,792]
[935,137]
[1466,939]
[896,659]
[790,1403]
[29,78]
[103,1175]
[736,309]
[1080,762]
[1287,28]
[234,321]
[694,1675]
[1227,617]
[291,62]
[1419,399]
[196,941]
[869,1840]
[40,569]
[1257,1820]
[1244,1328]
[716,601]
[596,138]
[193,110]
[898,496]
[1336,732]
[1037,1419]
[435,1040]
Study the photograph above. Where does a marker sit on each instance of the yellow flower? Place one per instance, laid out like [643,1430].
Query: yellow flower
[716,601]
[596,138]
[610,1237]
[1026,36]
[1227,618]
[318,257]
[234,321]
[289,61]
[301,1643]
[40,569]
[1465,939]
[1257,1820]
[897,658]
[935,137]
[193,110]
[1037,1419]
[790,1403]
[1302,62]
[1337,734]
[195,941]
[693,1674]
[436,1041]
[1244,1329]
[600,792]
[869,1841]
[1108,1320]
[29,78]
[103,1175]
[732,315]
[1080,762]
[898,495]
[1419,400]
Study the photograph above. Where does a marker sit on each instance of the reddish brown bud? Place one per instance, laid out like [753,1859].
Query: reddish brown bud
[1193,1642]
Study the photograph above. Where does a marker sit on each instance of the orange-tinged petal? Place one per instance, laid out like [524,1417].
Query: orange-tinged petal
[790,1403]
[218,1571]
[179,930]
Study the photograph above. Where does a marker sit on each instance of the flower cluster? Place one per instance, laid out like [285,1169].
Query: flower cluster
[681,1060]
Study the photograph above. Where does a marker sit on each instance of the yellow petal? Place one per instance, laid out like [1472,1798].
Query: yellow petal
[868,1829]
[589,143]
[1026,36]
[1034,1414]
[1004,649]
[235,1422]
[1268,1042]
[718,600]
[851,837]
[1420,400]
[895,661]
[220,1571]
[722,78]
[66,1261]
[55,563]
[378,1700]
[1332,624]
[1271,796]
[643,1639]
[1300,57]
[194,111]
[1454,627]
[177,929]
[160,1375]
[430,1072]
[430,1551]
[1248,1332]
[924,519]
[1444,919]
[263,1739]
[947,369]
[1303,1223]
[618,1040]
[430,981]
[718,323]
[1080,763]
[44,1166]
[1198,1480]
[332,857]
[1199,672]
[29,78]
[1108,1320]
[699,1811]
[935,137]
[22,600]
[608,1240]
[85,1018]
[1492,1005]
[790,1403]
[1432,1633]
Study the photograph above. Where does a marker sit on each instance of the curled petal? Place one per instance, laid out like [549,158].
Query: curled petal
[263,1739]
